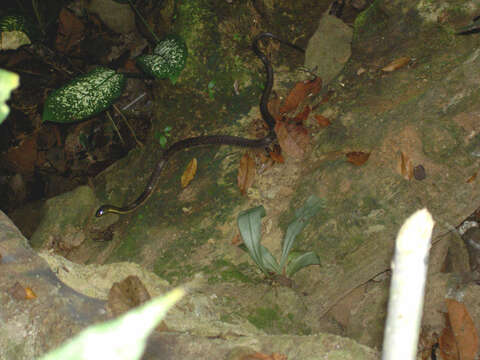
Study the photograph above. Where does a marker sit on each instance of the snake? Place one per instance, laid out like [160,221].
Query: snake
[212,139]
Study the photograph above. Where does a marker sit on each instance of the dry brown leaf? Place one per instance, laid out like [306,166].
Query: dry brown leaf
[322,120]
[29,294]
[262,356]
[22,158]
[397,64]
[293,138]
[189,173]
[472,178]
[447,345]
[299,93]
[70,32]
[300,117]
[357,158]
[246,173]
[276,154]
[463,329]
[237,240]
[405,166]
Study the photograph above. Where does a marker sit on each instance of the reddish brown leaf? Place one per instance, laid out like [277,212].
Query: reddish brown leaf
[246,173]
[189,173]
[447,345]
[300,117]
[299,93]
[262,356]
[237,240]
[357,157]
[463,329]
[293,138]
[397,64]
[276,154]
[322,120]
[22,158]
[70,32]
[472,178]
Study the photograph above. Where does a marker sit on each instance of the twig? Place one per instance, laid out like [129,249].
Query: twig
[115,127]
[139,143]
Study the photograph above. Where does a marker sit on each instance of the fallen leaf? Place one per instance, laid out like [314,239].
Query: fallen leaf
[18,292]
[22,158]
[70,32]
[405,166]
[463,329]
[397,64]
[472,178]
[302,116]
[299,93]
[262,356]
[189,173]
[274,108]
[276,154]
[357,157]
[447,345]
[322,120]
[237,240]
[29,294]
[246,173]
[293,138]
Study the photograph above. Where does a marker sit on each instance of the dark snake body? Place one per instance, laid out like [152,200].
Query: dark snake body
[211,139]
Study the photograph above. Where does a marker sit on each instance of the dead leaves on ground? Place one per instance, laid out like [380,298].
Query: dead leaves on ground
[246,173]
[397,64]
[459,339]
[357,158]
[189,173]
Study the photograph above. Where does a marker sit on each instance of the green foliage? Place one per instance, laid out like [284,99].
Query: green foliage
[162,136]
[249,223]
[123,338]
[8,82]
[84,96]
[168,59]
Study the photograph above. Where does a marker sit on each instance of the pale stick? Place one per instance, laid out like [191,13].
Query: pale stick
[409,270]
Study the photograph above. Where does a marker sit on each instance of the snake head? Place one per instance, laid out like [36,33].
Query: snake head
[100,212]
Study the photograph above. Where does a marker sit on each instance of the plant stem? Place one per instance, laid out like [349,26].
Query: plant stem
[143,21]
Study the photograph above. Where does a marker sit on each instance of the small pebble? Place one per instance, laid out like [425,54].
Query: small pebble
[419,172]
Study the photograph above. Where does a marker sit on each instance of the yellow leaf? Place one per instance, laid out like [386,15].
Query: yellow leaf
[189,173]
[397,64]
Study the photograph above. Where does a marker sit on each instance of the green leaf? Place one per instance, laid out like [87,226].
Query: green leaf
[304,260]
[123,338]
[302,216]
[8,82]
[269,261]
[168,59]
[249,223]
[163,141]
[84,96]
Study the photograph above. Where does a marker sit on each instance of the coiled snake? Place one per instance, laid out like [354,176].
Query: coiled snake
[211,139]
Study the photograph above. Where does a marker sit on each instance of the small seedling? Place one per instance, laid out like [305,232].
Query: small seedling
[249,223]
[211,89]
[162,136]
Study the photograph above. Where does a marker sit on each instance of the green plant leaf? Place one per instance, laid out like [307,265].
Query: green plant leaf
[302,216]
[84,96]
[249,223]
[123,338]
[8,82]
[168,59]
[301,261]
[269,260]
